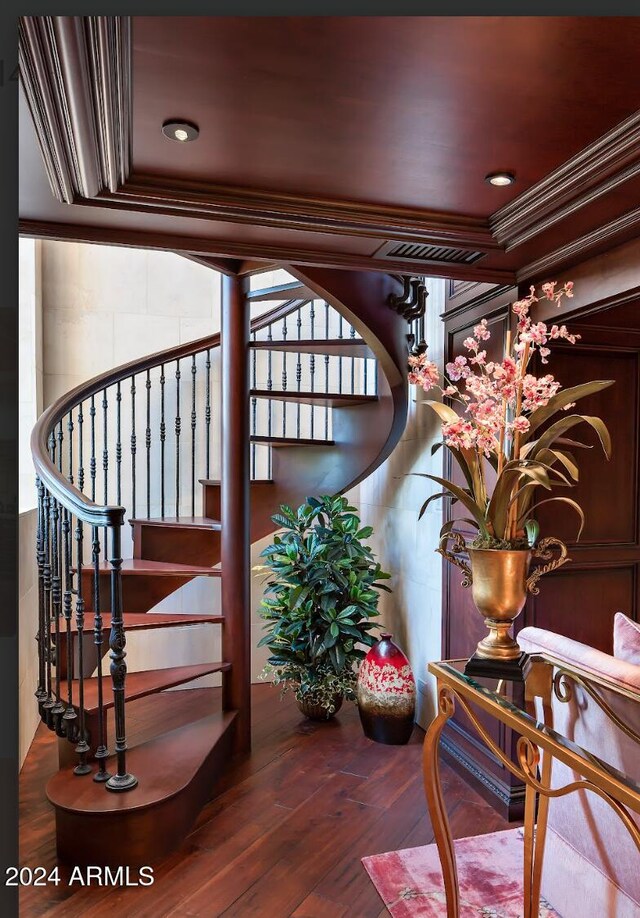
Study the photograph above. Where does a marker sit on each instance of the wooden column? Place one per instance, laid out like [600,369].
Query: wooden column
[235,545]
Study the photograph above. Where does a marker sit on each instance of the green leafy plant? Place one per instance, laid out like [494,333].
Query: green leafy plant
[320,599]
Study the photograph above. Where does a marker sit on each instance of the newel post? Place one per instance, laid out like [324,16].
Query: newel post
[235,544]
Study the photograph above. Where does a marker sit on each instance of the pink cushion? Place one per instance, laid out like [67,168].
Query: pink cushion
[626,639]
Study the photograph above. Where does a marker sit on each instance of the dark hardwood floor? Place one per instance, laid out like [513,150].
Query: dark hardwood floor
[285,834]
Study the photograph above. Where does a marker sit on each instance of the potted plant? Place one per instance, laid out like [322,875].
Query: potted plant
[507,446]
[319,602]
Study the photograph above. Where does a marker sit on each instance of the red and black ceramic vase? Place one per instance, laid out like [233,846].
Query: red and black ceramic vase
[386,694]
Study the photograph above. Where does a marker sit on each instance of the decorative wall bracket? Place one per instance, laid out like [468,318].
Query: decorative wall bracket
[411,304]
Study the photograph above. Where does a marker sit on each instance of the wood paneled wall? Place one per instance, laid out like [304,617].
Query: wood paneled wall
[603,577]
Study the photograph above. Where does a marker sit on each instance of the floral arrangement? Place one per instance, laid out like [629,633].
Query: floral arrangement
[497,434]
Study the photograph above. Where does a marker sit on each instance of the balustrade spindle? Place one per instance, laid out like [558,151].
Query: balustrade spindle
[254,406]
[312,365]
[352,334]
[326,370]
[48,704]
[70,432]
[41,691]
[105,451]
[52,447]
[92,460]
[60,441]
[163,437]
[147,443]
[177,430]
[101,753]
[118,444]
[69,717]
[269,402]
[121,781]
[340,336]
[133,446]
[207,414]
[82,748]
[80,448]
[284,379]
[299,371]
[56,610]
[193,435]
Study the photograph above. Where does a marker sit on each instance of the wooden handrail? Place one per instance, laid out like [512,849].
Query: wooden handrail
[53,480]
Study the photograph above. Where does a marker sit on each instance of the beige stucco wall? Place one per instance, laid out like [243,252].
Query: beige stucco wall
[390,500]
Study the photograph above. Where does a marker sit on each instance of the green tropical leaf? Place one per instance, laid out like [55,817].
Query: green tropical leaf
[464,499]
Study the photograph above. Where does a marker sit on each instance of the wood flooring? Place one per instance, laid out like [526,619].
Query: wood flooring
[284,836]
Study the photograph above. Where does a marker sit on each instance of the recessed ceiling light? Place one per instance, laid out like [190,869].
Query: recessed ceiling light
[181,131]
[500,179]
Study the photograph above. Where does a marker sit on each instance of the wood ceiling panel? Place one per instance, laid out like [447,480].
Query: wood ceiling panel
[403,111]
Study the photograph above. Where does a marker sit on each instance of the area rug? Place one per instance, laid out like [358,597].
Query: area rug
[489,872]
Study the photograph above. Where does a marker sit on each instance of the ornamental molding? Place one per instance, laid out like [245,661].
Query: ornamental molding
[76,75]
[603,165]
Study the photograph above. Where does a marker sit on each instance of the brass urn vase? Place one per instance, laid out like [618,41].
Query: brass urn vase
[500,580]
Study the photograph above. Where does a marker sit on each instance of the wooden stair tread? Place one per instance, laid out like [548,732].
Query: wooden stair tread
[292,290]
[145,682]
[164,766]
[138,621]
[185,522]
[138,566]
[332,399]
[333,347]
[290,441]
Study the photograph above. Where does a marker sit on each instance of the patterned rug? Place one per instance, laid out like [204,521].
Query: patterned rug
[489,872]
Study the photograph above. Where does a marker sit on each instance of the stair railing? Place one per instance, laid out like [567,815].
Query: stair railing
[80,541]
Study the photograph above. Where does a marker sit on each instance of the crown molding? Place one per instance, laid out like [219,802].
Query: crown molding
[611,160]
[302,213]
[221,248]
[76,75]
[580,246]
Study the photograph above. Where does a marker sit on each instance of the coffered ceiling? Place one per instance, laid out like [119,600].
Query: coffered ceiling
[347,141]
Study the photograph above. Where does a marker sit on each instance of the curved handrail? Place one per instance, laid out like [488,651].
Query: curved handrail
[56,483]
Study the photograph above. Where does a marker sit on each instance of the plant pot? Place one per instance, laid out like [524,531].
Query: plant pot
[386,694]
[316,711]
[499,581]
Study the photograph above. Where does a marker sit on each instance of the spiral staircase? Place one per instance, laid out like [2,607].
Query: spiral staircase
[335,412]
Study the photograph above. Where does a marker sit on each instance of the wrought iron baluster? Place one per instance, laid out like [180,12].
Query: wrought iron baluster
[69,717]
[352,335]
[48,704]
[70,432]
[284,378]
[340,336]
[101,753]
[80,447]
[92,460]
[105,450]
[299,371]
[177,430]
[163,437]
[207,413]
[51,442]
[326,371]
[193,434]
[118,443]
[312,365]
[365,373]
[56,610]
[133,446]
[82,748]
[43,625]
[254,406]
[147,443]
[121,781]
[60,441]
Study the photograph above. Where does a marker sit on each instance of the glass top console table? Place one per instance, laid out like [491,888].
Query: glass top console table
[534,711]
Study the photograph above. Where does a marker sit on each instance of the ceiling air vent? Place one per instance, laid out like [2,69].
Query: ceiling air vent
[418,251]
